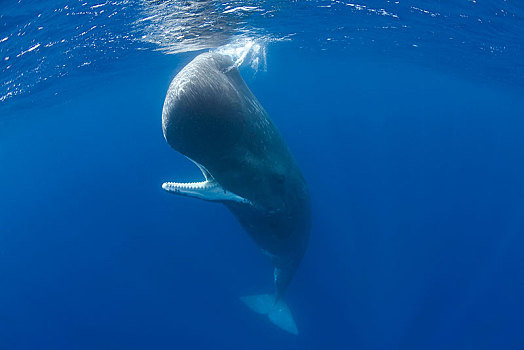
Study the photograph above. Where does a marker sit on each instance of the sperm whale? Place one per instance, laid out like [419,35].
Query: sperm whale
[211,117]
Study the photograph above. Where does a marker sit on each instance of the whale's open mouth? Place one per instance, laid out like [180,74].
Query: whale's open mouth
[209,189]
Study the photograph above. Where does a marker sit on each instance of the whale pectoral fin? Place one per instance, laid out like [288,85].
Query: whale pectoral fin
[276,310]
[208,190]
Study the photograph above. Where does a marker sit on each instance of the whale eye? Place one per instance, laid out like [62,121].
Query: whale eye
[278,182]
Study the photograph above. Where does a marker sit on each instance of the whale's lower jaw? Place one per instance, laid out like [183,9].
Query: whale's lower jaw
[209,189]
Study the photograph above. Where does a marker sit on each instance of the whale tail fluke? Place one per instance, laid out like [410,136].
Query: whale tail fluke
[276,310]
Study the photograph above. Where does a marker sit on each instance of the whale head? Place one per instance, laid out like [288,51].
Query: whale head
[212,118]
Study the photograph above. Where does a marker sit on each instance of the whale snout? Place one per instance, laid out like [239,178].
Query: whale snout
[204,113]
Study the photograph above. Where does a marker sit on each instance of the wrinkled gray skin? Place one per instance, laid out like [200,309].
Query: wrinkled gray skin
[211,116]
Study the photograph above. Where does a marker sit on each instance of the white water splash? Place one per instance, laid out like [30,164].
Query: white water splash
[246,52]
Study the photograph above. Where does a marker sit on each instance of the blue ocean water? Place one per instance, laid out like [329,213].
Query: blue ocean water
[405,118]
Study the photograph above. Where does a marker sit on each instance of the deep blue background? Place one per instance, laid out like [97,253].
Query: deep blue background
[417,186]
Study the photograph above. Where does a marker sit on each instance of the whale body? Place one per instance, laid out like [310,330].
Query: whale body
[212,118]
